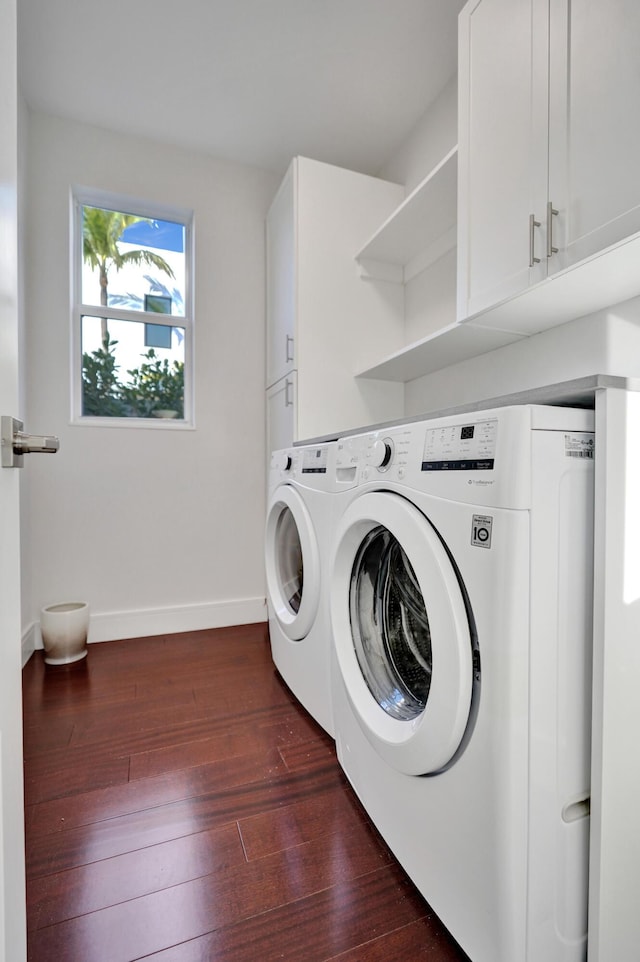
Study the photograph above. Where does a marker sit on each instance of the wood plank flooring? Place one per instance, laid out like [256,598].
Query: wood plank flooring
[182,807]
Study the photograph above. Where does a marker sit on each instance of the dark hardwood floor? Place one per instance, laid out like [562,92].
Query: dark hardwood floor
[181,807]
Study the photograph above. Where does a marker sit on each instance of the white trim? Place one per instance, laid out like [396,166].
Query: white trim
[138,316]
[153,424]
[614,863]
[31,640]
[112,200]
[143,622]
[93,197]
[115,625]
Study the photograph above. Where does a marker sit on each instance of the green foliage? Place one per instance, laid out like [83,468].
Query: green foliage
[156,385]
[100,384]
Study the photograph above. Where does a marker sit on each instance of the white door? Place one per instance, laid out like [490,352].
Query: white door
[594,139]
[281,414]
[281,280]
[502,159]
[292,563]
[402,633]
[12,873]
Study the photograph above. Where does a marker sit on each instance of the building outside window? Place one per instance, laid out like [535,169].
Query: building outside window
[133,316]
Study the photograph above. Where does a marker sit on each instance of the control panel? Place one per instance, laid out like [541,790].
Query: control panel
[461,447]
[482,458]
[381,453]
[314,460]
[285,461]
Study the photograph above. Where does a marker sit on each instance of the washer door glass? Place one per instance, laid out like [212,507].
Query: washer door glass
[292,563]
[289,560]
[390,625]
[402,631]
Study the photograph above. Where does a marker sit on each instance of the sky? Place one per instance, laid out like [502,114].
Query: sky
[161,234]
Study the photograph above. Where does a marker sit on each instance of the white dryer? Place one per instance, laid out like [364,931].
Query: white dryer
[299,522]
[461,611]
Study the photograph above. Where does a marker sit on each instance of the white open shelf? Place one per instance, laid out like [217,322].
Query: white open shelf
[456,342]
[420,223]
[414,236]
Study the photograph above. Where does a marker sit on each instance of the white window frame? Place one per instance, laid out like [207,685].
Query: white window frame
[94,197]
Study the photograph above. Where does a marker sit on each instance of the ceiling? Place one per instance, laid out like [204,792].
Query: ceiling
[250,81]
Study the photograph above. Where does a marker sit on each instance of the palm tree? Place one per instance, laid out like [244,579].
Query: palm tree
[101,231]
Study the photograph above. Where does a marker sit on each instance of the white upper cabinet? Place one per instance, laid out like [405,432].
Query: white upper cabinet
[322,320]
[281,281]
[502,151]
[548,155]
[594,134]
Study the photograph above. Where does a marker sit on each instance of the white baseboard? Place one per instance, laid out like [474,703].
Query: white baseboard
[31,639]
[115,625]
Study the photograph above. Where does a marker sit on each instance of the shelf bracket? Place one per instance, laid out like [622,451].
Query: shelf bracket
[372,270]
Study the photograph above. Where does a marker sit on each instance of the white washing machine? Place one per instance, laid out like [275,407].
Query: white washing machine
[461,599]
[300,516]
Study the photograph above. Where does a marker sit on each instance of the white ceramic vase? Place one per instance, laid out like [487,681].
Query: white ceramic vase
[64,630]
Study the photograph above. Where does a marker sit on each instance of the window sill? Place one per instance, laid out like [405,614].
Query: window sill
[150,424]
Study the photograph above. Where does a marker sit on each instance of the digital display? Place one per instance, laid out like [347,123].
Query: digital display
[314,461]
[467,432]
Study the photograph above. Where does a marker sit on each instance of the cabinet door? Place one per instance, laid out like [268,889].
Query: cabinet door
[281,279]
[502,164]
[594,140]
[281,414]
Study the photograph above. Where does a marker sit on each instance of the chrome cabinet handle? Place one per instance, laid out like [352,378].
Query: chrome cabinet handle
[289,356]
[551,213]
[533,223]
[288,401]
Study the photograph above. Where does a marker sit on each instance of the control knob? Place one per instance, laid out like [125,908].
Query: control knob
[381,453]
[285,461]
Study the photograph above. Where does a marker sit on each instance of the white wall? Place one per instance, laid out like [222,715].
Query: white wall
[433,136]
[157,530]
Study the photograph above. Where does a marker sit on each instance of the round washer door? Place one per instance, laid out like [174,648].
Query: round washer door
[401,633]
[292,561]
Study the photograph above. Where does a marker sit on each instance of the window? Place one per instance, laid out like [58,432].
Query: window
[132,318]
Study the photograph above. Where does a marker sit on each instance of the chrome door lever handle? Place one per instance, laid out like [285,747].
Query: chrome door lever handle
[35,443]
[15,443]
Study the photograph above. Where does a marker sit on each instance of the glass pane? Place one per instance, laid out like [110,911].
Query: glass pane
[390,627]
[129,260]
[123,378]
[155,335]
[289,560]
